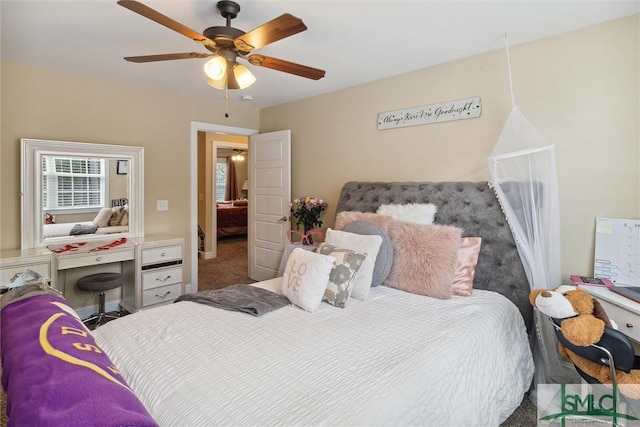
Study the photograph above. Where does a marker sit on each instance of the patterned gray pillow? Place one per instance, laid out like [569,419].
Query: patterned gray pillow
[346,265]
[384,260]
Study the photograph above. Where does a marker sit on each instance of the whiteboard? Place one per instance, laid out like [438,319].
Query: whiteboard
[617,254]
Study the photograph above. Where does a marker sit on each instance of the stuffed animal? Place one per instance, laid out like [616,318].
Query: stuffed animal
[583,325]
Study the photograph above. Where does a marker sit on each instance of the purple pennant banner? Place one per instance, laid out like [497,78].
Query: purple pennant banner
[55,374]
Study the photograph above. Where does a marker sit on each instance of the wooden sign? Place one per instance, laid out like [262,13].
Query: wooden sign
[435,113]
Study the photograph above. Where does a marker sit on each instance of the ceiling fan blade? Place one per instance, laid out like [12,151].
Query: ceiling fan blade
[286,66]
[161,19]
[167,57]
[277,29]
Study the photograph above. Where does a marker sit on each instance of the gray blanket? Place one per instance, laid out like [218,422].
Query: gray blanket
[244,298]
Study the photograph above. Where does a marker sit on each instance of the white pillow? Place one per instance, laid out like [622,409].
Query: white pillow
[305,278]
[103,217]
[367,244]
[417,213]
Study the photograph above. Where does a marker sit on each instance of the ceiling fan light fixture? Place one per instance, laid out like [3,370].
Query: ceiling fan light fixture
[243,76]
[218,84]
[216,68]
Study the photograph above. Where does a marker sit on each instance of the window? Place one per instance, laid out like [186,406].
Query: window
[73,182]
[221,179]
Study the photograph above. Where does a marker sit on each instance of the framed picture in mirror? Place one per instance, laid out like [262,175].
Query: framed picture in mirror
[123,167]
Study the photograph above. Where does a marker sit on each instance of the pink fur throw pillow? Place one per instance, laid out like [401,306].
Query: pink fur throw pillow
[345,217]
[424,258]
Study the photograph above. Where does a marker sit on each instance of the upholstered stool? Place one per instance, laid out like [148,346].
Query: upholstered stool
[100,282]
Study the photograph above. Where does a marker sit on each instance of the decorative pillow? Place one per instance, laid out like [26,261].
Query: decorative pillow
[125,217]
[103,217]
[116,215]
[305,278]
[384,260]
[345,267]
[240,202]
[369,245]
[466,266]
[417,213]
[345,217]
[424,258]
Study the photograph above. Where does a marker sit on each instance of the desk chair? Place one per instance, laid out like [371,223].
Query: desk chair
[614,350]
[100,282]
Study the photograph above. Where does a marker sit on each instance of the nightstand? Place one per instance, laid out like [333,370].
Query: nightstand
[625,312]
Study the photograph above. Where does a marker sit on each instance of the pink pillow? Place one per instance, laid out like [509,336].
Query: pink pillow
[424,258]
[466,266]
[345,217]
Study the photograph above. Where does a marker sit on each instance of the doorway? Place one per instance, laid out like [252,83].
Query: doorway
[198,129]
[223,248]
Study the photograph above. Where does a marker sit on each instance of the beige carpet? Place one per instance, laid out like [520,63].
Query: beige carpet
[227,268]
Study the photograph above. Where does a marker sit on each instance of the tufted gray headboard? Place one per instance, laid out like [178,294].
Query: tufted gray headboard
[471,206]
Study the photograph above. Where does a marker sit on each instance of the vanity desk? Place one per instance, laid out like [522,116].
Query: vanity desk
[16,261]
[158,269]
[152,266]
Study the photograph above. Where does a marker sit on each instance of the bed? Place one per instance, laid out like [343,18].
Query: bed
[394,358]
[75,228]
[232,218]
[107,221]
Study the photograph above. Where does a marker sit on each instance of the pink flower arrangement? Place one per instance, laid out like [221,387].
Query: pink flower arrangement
[306,210]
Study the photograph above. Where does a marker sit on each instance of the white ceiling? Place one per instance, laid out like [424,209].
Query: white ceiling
[355,41]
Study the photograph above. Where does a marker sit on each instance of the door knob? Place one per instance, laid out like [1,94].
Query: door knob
[284,219]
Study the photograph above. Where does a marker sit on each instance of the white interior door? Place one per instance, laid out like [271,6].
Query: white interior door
[269,171]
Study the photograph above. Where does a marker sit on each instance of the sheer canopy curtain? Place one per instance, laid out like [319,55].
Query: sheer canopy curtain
[523,156]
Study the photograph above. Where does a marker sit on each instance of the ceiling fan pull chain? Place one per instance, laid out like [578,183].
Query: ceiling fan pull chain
[226,100]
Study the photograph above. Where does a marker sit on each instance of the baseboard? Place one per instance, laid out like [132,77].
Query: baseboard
[86,312]
[206,255]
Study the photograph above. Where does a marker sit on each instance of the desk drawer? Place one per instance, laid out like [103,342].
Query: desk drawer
[162,294]
[161,254]
[43,269]
[157,278]
[95,258]
[628,322]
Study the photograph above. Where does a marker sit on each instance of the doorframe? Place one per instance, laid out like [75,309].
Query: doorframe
[195,128]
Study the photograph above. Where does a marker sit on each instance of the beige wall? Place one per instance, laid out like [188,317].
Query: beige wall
[47,104]
[579,89]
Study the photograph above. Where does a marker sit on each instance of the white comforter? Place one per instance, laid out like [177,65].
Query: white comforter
[395,359]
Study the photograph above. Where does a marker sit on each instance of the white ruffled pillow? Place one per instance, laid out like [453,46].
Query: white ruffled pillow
[305,278]
[417,213]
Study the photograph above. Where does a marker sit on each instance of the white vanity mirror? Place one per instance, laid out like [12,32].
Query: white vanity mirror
[77,191]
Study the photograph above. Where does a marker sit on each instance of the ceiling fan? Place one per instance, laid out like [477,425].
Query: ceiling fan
[226,44]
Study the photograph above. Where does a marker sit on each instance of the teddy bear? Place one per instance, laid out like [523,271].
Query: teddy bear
[584,320]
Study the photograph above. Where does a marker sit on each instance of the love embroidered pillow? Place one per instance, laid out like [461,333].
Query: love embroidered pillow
[305,278]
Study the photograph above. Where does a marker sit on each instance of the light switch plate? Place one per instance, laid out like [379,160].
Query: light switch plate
[162,205]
